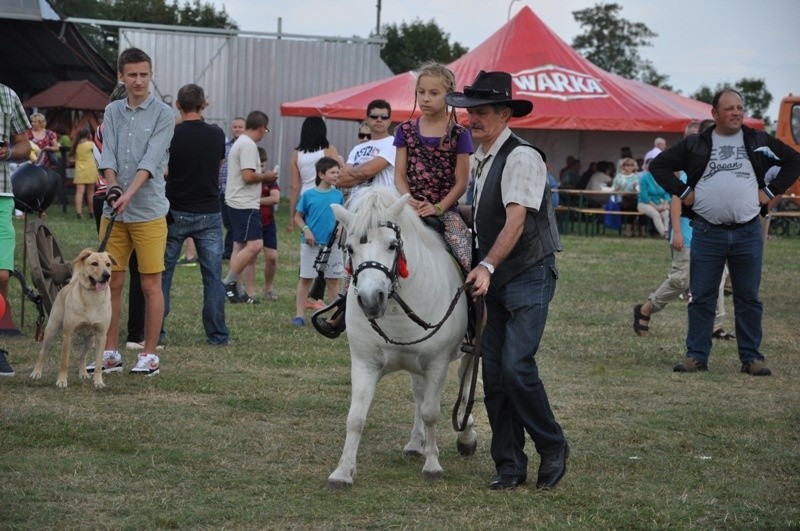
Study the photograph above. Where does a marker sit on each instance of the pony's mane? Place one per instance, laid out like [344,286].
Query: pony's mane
[371,208]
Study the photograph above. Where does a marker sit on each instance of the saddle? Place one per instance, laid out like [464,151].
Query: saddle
[436,223]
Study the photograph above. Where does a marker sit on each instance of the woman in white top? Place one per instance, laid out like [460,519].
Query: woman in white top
[313,146]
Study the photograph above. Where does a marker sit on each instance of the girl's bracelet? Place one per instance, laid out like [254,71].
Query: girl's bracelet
[438,208]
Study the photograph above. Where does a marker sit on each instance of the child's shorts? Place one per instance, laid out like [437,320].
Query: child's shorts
[308,254]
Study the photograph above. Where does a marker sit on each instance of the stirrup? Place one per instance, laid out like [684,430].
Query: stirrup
[325,326]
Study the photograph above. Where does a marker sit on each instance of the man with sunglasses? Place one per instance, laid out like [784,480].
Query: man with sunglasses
[372,162]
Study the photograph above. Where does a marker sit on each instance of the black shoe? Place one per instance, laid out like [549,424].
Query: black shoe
[327,327]
[5,368]
[232,293]
[553,468]
[507,481]
[756,368]
[690,365]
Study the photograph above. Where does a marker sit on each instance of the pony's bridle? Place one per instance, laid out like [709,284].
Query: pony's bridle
[372,264]
[394,279]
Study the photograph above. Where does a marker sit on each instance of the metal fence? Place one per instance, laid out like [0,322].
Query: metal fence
[244,73]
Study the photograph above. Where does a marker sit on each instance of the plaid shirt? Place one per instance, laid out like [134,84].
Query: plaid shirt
[223,169]
[14,122]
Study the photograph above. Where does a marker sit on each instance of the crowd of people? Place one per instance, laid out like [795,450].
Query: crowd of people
[627,182]
[163,182]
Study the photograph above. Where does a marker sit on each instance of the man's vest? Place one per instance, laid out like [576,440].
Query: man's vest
[540,234]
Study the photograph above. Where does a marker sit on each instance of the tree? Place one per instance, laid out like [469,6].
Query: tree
[106,40]
[754,93]
[613,43]
[704,94]
[651,76]
[411,44]
[756,96]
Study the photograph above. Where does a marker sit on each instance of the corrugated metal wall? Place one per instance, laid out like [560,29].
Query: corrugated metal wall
[240,74]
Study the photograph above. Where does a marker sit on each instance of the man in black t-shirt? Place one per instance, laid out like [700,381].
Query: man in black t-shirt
[195,154]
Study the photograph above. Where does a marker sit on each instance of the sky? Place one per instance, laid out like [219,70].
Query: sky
[700,42]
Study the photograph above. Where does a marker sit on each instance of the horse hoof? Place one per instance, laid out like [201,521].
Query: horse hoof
[412,454]
[432,476]
[338,484]
[467,449]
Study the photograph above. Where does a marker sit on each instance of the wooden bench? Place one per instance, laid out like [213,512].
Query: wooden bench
[785,214]
[587,215]
[780,222]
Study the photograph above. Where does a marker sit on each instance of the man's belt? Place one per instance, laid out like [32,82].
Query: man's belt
[731,226]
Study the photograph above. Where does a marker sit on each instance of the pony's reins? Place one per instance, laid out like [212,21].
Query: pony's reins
[414,317]
[393,276]
[478,308]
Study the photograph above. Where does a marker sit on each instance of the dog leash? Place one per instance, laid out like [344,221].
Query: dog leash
[104,243]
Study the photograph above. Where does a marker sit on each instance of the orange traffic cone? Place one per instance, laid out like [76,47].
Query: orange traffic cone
[7,327]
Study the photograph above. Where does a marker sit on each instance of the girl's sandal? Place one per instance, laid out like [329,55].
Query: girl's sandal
[722,334]
[640,329]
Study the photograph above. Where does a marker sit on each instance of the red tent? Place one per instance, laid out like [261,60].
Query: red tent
[569,94]
[77,95]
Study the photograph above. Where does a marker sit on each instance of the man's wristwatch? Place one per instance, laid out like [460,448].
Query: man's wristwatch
[489,267]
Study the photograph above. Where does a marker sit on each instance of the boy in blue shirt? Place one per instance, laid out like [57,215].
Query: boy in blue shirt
[316,220]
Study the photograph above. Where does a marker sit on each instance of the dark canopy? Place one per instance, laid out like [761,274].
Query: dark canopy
[37,54]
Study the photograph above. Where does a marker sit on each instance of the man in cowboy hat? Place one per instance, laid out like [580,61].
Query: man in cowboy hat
[516,239]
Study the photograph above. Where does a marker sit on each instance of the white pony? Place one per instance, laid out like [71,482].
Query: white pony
[383,235]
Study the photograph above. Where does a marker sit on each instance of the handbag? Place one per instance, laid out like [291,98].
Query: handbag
[612,221]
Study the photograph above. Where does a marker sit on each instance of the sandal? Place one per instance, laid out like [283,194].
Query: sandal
[270,296]
[722,334]
[639,316]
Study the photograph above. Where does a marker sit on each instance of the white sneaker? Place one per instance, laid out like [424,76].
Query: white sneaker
[146,365]
[133,345]
[112,362]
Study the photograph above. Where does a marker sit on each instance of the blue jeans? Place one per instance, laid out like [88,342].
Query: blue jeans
[515,397]
[226,222]
[742,248]
[206,230]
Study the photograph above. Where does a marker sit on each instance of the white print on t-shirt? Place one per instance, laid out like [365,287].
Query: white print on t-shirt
[365,154]
[728,190]
[719,161]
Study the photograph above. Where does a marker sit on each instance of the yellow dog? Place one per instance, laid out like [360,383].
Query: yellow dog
[83,306]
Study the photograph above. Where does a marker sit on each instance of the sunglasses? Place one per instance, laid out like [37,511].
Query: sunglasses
[383,117]
[362,136]
[471,92]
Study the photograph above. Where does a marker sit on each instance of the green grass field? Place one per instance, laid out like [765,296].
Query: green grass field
[244,436]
